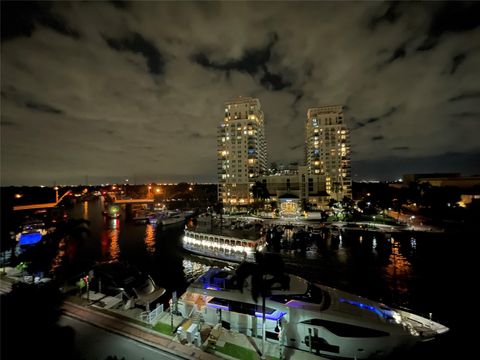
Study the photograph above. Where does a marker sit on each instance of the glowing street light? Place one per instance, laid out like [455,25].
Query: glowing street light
[56,193]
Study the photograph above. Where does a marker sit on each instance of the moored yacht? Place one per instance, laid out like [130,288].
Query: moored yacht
[31,234]
[171,217]
[307,316]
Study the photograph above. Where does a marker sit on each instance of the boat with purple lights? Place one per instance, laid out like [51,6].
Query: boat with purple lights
[306,316]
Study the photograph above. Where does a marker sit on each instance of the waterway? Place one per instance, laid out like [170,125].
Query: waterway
[424,272]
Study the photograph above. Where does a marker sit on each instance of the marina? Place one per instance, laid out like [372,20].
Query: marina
[332,258]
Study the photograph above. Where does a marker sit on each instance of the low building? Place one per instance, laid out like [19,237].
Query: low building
[296,189]
[443,179]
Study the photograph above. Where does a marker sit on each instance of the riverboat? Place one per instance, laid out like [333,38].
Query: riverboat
[223,247]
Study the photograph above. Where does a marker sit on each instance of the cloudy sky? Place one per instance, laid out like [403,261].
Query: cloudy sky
[117,90]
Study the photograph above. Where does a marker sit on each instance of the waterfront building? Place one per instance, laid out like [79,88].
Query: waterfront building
[327,149]
[442,179]
[242,150]
[296,189]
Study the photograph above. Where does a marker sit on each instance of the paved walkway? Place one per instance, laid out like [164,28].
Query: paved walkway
[220,337]
[164,342]
[135,332]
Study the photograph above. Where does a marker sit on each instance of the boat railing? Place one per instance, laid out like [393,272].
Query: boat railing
[152,316]
[228,240]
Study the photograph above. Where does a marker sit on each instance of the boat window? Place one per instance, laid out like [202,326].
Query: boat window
[313,295]
[241,307]
[346,330]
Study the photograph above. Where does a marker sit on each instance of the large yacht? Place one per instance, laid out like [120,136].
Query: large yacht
[309,317]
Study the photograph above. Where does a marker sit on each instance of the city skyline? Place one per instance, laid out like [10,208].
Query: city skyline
[118,90]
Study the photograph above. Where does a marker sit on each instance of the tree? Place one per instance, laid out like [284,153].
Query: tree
[267,274]
[348,207]
[260,193]
[218,208]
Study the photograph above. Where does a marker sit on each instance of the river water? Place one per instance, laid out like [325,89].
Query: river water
[419,271]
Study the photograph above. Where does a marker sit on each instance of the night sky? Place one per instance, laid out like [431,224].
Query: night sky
[118,90]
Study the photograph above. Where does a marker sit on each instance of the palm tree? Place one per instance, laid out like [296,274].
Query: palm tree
[260,193]
[267,274]
[218,208]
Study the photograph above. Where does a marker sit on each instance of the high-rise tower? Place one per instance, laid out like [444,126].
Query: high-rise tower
[242,150]
[327,149]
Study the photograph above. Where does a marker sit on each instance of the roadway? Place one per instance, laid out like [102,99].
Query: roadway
[92,342]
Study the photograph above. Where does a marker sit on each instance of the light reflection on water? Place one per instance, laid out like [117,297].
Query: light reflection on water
[399,269]
[112,236]
[150,238]
[85,210]
[347,262]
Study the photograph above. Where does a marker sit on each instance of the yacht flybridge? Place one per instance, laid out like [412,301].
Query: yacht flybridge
[307,316]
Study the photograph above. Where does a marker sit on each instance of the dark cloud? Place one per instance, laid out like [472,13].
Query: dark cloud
[374,119]
[389,15]
[7,123]
[467,114]
[137,44]
[108,131]
[398,53]
[457,61]
[99,99]
[21,18]
[253,61]
[273,81]
[121,4]
[465,96]
[42,107]
[451,17]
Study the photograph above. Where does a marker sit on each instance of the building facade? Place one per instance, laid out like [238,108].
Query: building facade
[296,190]
[327,149]
[242,150]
